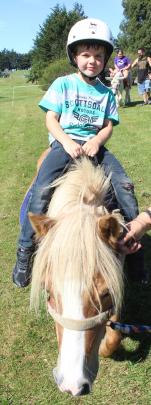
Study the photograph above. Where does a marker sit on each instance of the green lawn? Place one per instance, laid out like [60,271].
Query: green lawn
[28,345]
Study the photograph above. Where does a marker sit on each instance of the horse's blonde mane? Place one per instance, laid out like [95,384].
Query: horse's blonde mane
[72,248]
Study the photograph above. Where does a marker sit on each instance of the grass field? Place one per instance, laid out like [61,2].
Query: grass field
[28,345]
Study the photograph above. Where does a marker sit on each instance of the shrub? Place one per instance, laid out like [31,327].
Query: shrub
[56,69]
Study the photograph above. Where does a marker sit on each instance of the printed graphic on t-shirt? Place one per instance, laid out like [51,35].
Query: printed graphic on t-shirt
[84,118]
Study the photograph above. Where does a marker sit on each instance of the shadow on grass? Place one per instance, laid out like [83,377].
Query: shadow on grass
[137,310]
[134,104]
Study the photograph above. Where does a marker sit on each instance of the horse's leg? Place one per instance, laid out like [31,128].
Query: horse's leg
[121,88]
[117,100]
[120,101]
[127,95]
[111,340]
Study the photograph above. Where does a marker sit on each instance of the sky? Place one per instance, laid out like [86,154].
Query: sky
[20,20]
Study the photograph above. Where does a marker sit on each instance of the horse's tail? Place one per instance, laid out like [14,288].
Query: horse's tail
[88,182]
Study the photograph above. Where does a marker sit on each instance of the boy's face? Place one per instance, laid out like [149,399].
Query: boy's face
[90,61]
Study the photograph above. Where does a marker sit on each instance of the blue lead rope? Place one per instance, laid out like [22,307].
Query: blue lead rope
[127,328]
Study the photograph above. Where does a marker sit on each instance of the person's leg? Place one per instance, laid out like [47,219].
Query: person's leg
[147,90]
[125,73]
[42,157]
[127,203]
[121,183]
[142,91]
[52,167]
[145,97]
[27,196]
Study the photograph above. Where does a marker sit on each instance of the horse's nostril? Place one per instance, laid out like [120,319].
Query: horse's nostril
[85,389]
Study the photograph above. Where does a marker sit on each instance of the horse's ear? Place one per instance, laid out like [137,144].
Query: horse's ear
[109,230]
[41,223]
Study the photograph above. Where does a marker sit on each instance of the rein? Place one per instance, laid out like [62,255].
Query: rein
[101,318]
[127,328]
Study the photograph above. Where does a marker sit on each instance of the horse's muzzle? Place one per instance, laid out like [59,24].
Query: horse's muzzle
[83,388]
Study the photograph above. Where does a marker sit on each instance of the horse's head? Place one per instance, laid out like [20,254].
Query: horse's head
[77,265]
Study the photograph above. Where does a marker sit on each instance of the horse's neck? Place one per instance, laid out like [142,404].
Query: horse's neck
[118,75]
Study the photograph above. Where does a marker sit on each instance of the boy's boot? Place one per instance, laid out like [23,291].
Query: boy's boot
[23,267]
[135,267]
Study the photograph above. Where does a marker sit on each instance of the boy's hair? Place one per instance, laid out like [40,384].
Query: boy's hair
[87,43]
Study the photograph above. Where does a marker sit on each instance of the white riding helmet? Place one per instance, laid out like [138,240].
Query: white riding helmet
[90,29]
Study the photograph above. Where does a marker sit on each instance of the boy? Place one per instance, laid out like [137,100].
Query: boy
[80,113]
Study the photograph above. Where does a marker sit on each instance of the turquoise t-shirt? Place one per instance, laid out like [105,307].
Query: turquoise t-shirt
[82,107]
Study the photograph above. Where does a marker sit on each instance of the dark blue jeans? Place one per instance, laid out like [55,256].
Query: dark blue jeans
[54,165]
[123,188]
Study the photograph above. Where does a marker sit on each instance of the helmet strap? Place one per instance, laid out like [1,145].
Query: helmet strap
[88,77]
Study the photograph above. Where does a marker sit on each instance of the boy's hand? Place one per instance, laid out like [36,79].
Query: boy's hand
[73,148]
[91,147]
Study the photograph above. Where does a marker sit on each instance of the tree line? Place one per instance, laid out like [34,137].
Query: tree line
[12,60]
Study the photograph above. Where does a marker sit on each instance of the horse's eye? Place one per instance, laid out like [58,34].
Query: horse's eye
[105,294]
[106,300]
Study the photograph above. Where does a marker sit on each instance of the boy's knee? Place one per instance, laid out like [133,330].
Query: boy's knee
[128,185]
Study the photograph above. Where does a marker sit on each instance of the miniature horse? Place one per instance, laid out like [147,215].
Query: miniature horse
[118,85]
[78,267]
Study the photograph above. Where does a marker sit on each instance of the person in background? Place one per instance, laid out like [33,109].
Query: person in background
[122,64]
[143,71]
[149,75]
[122,71]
